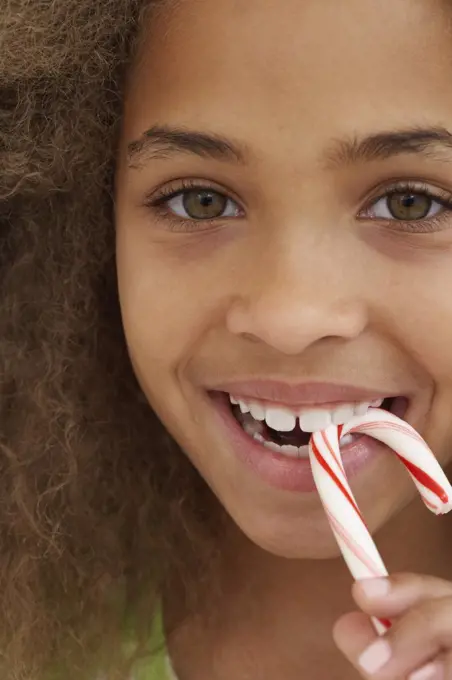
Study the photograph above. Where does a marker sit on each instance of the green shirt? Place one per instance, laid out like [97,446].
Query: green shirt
[158,668]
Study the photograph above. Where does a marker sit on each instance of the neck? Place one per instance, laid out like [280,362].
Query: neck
[282,611]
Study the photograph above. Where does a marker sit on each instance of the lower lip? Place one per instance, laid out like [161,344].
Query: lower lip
[282,472]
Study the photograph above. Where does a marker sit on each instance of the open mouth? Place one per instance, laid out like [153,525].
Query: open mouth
[287,431]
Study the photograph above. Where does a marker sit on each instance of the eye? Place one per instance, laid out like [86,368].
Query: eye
[202,204]
[406,206]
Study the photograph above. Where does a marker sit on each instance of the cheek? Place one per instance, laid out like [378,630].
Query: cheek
[418,317]
[173,286]
[421,311]
[161,319]
[169,300]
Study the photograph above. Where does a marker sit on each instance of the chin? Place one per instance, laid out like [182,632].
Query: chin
[327,550]
[294,535]
[299,547]
[307,537]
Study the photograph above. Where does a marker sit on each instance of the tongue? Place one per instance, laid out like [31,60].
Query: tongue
[295,437]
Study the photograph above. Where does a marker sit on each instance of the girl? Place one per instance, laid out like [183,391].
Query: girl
[223,226]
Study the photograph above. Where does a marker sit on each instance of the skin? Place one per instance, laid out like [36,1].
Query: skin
[286,81]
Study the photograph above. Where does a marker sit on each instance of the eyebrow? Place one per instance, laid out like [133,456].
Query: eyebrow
[430,142]
[164,142]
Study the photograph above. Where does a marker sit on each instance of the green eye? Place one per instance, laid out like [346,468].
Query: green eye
[406,206]
[202,204]
[409,206]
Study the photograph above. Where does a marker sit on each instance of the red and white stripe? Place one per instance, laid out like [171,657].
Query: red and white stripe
[412,451]
[344,515]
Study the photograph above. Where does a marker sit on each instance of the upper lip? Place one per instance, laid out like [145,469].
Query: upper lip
[302,393]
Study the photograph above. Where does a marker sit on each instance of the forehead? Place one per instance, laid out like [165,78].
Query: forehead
[293,67]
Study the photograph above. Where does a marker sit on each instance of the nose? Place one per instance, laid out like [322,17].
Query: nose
[290,302]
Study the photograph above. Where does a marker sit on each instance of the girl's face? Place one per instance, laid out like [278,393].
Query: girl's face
[284,239]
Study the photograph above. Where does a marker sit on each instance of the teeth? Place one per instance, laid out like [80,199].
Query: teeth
[343,414]
[311,420]
[361,409]
[280,419]
[289,451]
[257,411]
[292,451]
[272,446]
[244,407]
[251,428]
[295,451]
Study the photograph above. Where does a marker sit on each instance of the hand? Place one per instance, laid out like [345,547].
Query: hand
[419,644]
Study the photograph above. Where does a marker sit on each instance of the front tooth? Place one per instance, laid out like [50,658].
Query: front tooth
[257,412]
[361,409]
[377,403]
[343,414]
[280,419]
[313,421]
[233,400]
[244,407]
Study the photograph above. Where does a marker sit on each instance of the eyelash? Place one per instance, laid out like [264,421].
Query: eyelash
[159,205]
[420,226]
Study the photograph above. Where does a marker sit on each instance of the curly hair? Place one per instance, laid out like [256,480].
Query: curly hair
[99,509]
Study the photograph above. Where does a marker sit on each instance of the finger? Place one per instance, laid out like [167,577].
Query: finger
[393,596]
[418,638]
[432,671]
[442,666]
[353,633]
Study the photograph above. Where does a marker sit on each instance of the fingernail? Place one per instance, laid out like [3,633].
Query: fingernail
[375,657]
[375,587]
[433,671]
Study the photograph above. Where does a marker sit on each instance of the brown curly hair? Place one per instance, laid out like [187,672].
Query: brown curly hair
[94,497]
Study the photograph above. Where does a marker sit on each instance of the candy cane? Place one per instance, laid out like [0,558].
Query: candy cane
[348,525]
